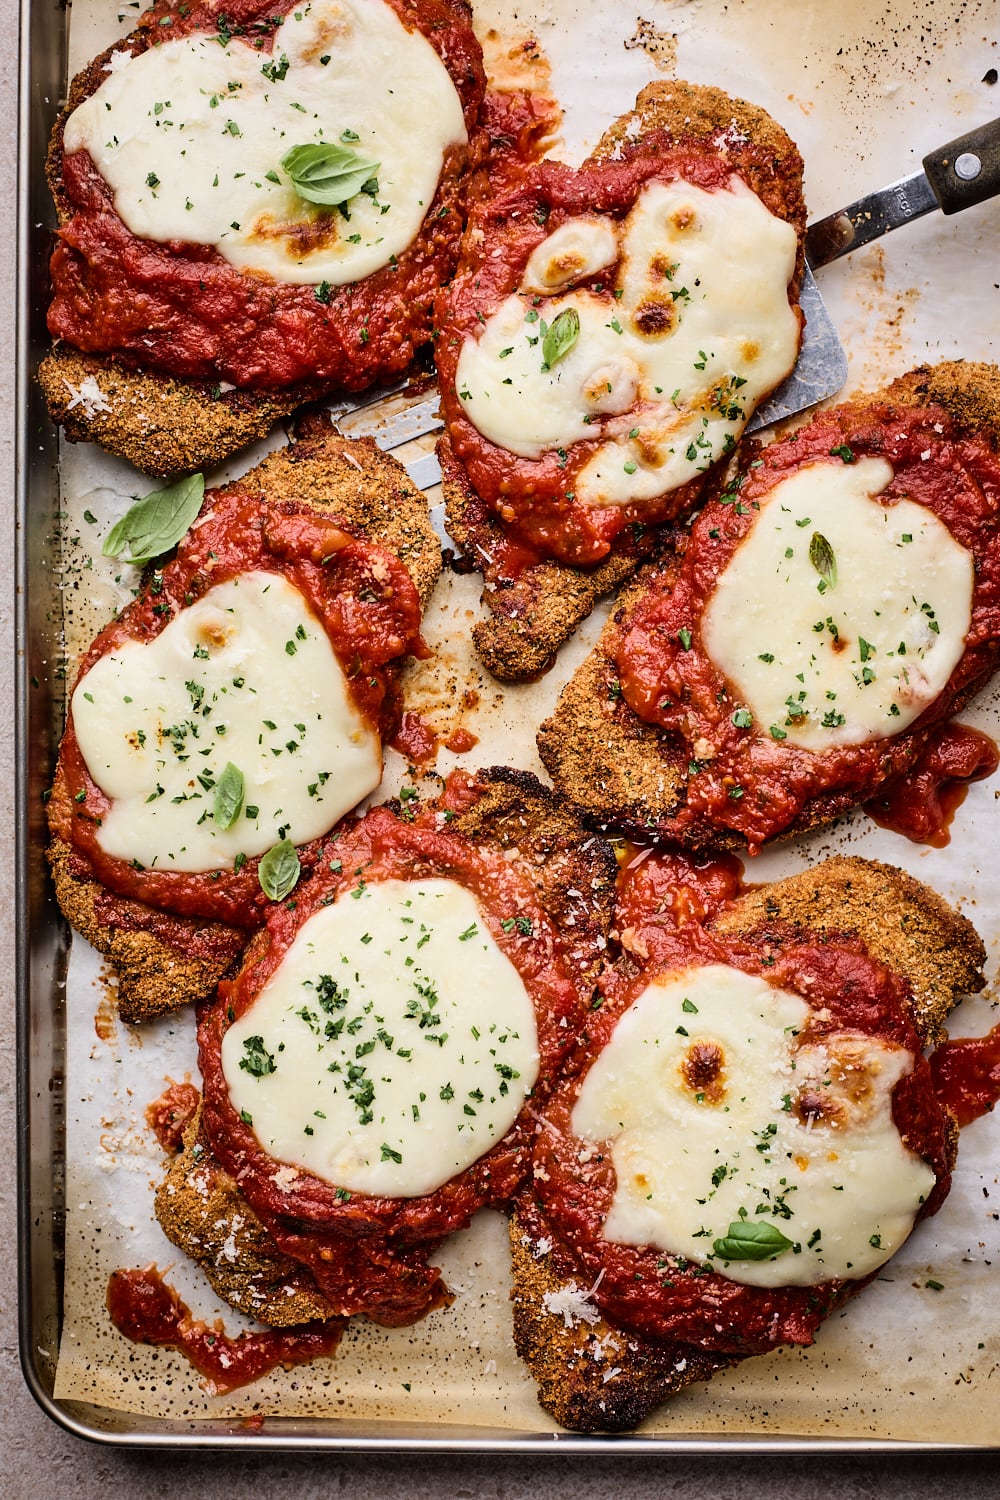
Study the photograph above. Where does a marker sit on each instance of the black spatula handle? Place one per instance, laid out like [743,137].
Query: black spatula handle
[967,170]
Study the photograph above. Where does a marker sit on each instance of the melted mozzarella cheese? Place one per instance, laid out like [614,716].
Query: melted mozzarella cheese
[190,134]
[577,249]
[861,659]
[716,1115]
[402,1042]
[245,675]
[700,333]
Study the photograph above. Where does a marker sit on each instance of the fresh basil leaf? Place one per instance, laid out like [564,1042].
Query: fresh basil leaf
[752,1240]
[279,870]
[562,335]
[229,793]
[822,558]
[323,172]
[157,522]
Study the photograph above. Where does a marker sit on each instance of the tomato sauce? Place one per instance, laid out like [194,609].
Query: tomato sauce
[666,1296]
[675,885]
[753,786]
[169,1116]
[922,802]
[147,1311]
[966,1075]
[362,596]
[341,1235]
[182,308]
[415,738]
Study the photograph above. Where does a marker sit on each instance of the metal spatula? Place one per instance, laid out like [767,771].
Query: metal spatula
[964,172]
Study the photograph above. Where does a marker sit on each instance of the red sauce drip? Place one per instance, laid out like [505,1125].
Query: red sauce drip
[966,1075]
[362,597]
[147,1311]
[415,738]
[921,803]
[169,1115]
[752,784]
[342,1236]
[184,309]
[461,741]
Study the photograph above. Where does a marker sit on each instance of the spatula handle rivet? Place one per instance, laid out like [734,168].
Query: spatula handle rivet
[968,166]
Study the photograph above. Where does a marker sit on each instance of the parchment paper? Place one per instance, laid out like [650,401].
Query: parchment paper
[865,95]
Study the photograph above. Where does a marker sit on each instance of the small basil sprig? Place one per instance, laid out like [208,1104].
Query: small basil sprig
[279,870]
[230,790]
[822,558]
[157,522]
[323,172]
[563,333]
[751,1240]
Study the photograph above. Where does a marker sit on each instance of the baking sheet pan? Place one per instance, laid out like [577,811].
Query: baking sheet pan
[905,1365]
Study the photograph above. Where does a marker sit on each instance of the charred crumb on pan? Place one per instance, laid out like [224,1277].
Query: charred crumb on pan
[902,923]
[203,1213]
[591,1376]
[530,618]
[370,493]
[631,775]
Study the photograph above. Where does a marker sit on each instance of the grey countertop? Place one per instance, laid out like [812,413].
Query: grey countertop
[41,1460]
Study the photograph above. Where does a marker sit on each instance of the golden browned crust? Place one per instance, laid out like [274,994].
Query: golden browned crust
[356,482]
[902,923]
[592,1377]
[372,494]
[203,1213]
[160,424]
[154,975]
[631,775]
[574,873]
[530,618]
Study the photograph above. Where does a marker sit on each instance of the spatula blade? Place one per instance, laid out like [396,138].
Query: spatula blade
[821,369]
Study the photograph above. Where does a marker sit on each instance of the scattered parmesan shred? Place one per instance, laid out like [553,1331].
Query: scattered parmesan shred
[117,61]
[88,395]
[572,1304]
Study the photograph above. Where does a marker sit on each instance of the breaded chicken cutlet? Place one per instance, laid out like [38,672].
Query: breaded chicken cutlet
[208,276]
[793,659]
[507,819]
[164,957]
[597,1367]
[536,600]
